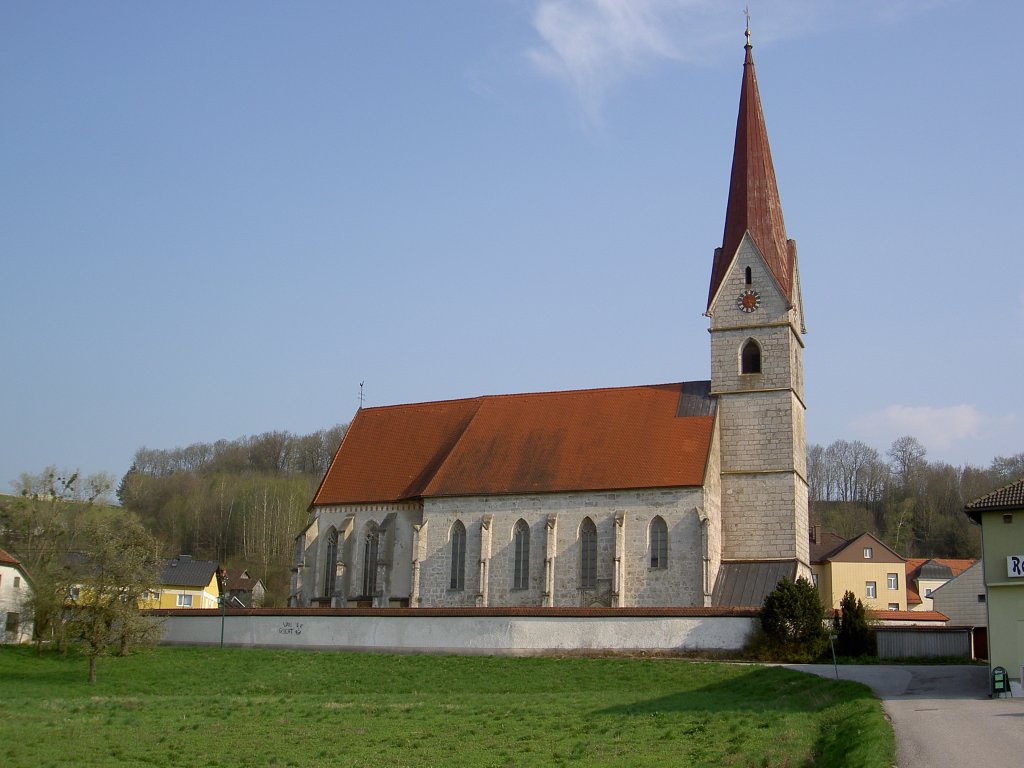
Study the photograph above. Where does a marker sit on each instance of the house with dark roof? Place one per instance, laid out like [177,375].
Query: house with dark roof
[926,574]
[1001,517]
[186,583]
[243,589]
[15,591]
[689,494]
[863,565]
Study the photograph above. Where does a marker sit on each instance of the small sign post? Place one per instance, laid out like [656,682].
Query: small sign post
[1000,682]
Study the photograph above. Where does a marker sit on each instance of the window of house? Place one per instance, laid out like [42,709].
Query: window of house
[814,580]
[17,582]
[370,546]
[868,553]
[928,592]
[13,621]
[331,563]
[521,554]
[458,579]
[894,606]
[184,601]
[750,357]
[1007,519]
[869,589]
[74,593]
[981,598]
[588,554]
[659,543]
[893,580]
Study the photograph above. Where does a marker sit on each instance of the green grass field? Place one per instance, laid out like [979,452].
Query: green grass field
[240,707]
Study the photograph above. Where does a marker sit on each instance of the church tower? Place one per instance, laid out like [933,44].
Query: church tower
[756,330]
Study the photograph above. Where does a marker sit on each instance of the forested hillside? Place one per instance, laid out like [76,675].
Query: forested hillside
[243,501]
[237,501]
[913,505]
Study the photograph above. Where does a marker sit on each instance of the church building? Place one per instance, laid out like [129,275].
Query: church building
[691,494]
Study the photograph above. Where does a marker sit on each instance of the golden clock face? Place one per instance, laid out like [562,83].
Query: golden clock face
[748,301]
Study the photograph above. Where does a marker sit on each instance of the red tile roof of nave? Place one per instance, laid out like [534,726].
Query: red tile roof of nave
[753,205]
[582,440]
[391,452]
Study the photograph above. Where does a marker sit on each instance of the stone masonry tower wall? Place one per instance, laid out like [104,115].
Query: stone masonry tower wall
[757,321]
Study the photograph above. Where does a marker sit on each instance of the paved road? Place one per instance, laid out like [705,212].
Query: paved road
[942,714]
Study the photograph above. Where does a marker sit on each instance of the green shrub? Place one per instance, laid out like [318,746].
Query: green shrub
[850,625]
[793,621]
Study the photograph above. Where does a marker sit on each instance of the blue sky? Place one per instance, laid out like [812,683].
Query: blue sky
[219,219]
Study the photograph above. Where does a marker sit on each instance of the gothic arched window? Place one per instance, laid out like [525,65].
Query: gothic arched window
[458,580]
[521,553]
[331,563]
[659,543]
[370,547]
[750,357]
[588,554]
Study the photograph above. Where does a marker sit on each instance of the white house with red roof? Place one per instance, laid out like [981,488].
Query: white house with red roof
[15,591]
[690,494]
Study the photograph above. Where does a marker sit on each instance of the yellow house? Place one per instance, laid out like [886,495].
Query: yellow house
[186,583]
[862,565]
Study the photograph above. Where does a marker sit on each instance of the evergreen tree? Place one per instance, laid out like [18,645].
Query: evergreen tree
[793,621]
[853,635]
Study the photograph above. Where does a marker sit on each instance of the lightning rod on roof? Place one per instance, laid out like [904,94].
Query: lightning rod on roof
[361,395]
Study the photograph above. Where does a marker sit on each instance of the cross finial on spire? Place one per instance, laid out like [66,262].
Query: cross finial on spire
[746,12]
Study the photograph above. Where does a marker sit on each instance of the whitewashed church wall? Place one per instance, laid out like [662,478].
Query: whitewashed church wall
[500,635]
[394,578]
[436,568]
[678,585]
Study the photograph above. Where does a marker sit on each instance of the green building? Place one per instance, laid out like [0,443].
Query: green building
[1001,515]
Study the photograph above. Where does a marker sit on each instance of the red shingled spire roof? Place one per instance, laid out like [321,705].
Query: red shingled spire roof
[753,205]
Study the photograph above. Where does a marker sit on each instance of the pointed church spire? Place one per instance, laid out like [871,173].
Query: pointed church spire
[753,204]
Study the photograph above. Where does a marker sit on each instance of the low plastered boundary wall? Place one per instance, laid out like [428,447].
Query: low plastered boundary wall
[465,631]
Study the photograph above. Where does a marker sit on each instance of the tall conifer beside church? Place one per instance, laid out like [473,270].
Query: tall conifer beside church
[686,495]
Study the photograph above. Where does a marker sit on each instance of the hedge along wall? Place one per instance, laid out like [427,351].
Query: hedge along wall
[482,631]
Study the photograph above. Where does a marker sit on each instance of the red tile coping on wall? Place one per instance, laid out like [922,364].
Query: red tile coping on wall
[512,612]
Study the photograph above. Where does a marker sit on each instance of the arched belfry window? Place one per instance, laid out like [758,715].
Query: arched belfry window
[588,554]
[659,543]
[331,563]
[750,357]
[458,580]
[521,553]
[370,547]
[748,276]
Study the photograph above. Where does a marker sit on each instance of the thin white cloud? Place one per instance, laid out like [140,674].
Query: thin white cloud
[594,45]
[937,428]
